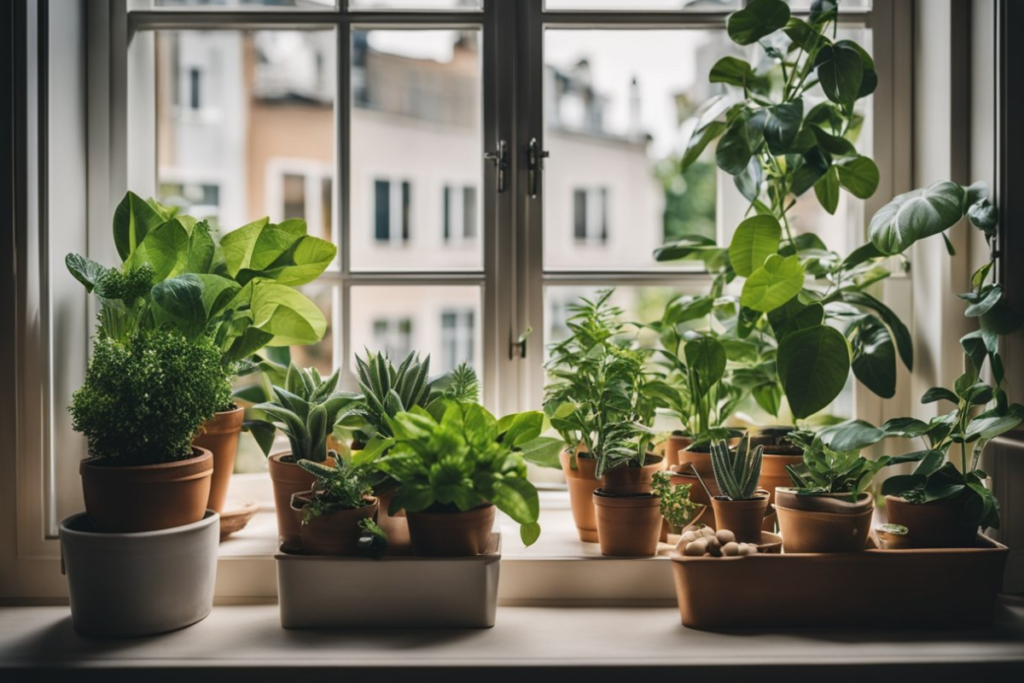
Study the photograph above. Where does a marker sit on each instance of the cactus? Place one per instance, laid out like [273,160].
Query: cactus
[736,474]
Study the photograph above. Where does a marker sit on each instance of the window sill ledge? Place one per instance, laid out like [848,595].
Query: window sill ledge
[571,642]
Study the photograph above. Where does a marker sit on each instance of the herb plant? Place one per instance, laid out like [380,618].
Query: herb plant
[306,410]
[457,457]
[825,470]
[145,395]
[736,473]
[341,487]
[676,507]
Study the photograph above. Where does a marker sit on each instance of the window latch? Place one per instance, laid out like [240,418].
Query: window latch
[500,159]
[535,157]
[517,349]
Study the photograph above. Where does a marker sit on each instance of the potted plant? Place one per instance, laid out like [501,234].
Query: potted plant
[454,465]
[677,508]
[337,515]
[827,509]
[741,507]
[305,411]
[600,383]
[239,294]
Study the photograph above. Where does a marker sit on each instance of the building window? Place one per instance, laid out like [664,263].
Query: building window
[193,81]
[392,204]
[393,336]
[590,215]
[457,334]
[459,213]
[294,196]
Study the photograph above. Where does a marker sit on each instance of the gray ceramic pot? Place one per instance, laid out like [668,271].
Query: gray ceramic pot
[142,583]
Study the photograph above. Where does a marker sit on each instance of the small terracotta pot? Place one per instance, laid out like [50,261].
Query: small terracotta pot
[745,518]
[451,534]
[629,480]
[396,526]
[220,437]
[334,534]
[289,479]
[932,525]
[673,445]
[774,474]
[824,524]
[628,526]
[582,483]
[701,461]
[146,497]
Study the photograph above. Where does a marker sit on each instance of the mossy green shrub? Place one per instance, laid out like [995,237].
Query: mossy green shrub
[145,397]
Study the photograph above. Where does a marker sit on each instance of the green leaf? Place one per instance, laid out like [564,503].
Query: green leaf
[990,298]
[984,215]
[732,71]
[823,11]
[813,366]
[179,302]
[543,451]
[706,357]
[133,219]
[859,176]
[833,144]
[529,533]
[851,435]
[282,252]
[940,394]
[517,498]
[907,427]
[166,247]
[904,343]
[280,310]
[827,189]
[862,254]
[869,82]
[708,128]
[840,72]
[813,167]
[988,426]
[769,397]
[756,20]
[874,359]
[84,270]
[524,427]
[755,240]
[916,215]
[795,315]
[749,182]
[801,33]
[773,284]
[740,142]
[782,125]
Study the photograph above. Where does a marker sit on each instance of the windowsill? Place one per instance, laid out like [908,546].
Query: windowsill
[567,644]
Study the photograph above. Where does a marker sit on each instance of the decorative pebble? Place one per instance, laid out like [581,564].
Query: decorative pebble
[725,536]
[731,549]
[689,536]
[748,549]
[695,549]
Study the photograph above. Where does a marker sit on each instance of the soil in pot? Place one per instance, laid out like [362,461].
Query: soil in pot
[220,437]
[932,525]
[745,518]
[334,534]
[828,523]
[673,445]
[628,525]
[437,533]
[582,482]
[139,498]
[288,479]
[628,480]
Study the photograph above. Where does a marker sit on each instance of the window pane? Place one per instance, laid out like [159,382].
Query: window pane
[446,5]
[234,4]
[640,5]
[439,320]
[245,125]
[416,125]
[845,4]
[615,101]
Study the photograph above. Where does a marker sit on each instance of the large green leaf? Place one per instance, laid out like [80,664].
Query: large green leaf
[782,125]
[992,423]
[706,356]
[740,142]
[859,176]
[133,219]
[915,215]
[904,343]
[733,71]
[840,72]
[543,451]
[812,167]
[851,435]
[794,315]
[773,284]
[179,302]
[86,271]
[708,127]
[166,247]
[283,252]
[827,189]
[874,359]
[280,310]
[755,240]
[813,364]
[757,20]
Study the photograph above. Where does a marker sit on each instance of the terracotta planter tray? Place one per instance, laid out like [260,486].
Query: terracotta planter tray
[938,587]
[392,592]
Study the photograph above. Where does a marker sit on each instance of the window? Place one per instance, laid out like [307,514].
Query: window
[391,211]
[590,216]
[393,335]
[459,213]
[457,329]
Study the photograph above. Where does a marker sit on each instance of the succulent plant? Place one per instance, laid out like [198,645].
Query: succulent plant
[736,473]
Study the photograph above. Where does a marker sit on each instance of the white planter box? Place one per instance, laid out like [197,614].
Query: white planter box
[392,592]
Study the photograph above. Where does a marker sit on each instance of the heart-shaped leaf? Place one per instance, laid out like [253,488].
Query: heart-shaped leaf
[827,189]
[773,284]
[756,20]
[859,176]
[813,364]
[755,240]
[840,72]
[915,215]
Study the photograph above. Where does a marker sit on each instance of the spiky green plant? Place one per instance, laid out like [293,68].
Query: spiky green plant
[388,390]
[736,473]
[462,384]
[305,411]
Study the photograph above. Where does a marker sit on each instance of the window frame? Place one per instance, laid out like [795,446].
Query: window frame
[512,279]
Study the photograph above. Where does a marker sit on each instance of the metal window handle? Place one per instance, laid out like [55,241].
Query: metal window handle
[500,159]
[517,347]
[536,157]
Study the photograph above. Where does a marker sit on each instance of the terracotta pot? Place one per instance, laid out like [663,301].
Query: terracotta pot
[288,479]
[673,445]
[220,437]
[396,526]
[628,526]
[774,474]
[744,518]
[451,534]
[334,534]
[146,497]
[824,524]
[684,475]
[932,525]
[891,541]
[628,480]
[582,483]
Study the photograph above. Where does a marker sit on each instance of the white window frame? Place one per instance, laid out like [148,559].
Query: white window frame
[117,43]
